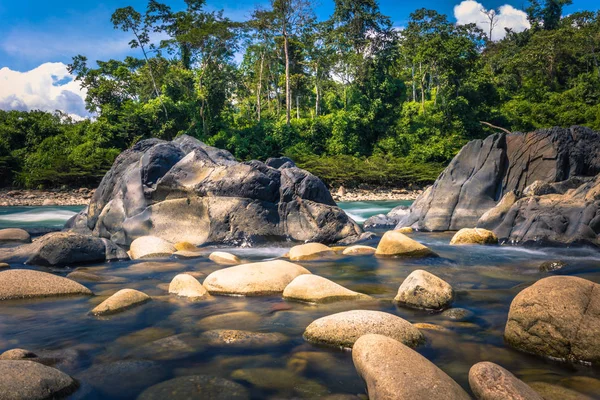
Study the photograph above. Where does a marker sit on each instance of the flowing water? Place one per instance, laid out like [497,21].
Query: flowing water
[486,280]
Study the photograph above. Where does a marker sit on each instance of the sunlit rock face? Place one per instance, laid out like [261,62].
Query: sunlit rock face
[187,191]
[551,173]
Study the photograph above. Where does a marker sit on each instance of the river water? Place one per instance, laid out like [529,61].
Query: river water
[486,280]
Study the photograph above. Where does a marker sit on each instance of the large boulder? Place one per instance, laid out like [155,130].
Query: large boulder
[24,283]
[28,380]
[316,289]
[484,171]
[396,244]
[490,381]
[343,329]
[424,290]
[557,317]
[393,371]
[254,279]
[150,247]
[187,191]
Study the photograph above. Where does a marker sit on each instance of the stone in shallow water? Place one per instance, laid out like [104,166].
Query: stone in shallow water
[24,283]
[582,384]
[393,371]
[123,300]
[316,289]
[359,250]
[187,286]
[231,320]
[14,235]
[169,348]
[549,391]
[150,247]
[28,380]
[187,254]
[310,251]
[554,265]
[458,314]
[282,381]
[255,279]
[425,291]
[557,317]
[224,258]
[490,381]
[196,387]
[17,354]
[84,276]
[343,329]
[430,327]
[394,243]
[186,246]
[232,338]
[474,236]
[4,266]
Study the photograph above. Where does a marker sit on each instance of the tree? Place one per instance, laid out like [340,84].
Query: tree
[547,13]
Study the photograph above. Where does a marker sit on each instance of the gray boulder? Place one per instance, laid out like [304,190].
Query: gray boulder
[554,169]
[387,221]
[28,380]
[187,191]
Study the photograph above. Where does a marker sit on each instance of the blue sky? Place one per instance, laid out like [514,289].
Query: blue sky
[39,37]
[36,31]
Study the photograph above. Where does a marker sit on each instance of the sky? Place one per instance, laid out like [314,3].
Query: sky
[38,38]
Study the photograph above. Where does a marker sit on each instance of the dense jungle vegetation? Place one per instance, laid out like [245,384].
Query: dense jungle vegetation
[350,98]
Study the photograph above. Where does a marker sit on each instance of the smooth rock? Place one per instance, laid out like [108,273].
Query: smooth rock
[557,317]
[123,300]
[458,314]
[254,279]
[430,327]
[310,251]
[394,243]
[405,230]
[196,387]
[316,289]
[4,266]
[14,235]
[28,380]
[185,285]
[343,329]
[359,250]
[393,371]
[172,347]
[223,258]
[231,338]
[231,320]
[17,354]
[23,283]
[424,290]
[150,247]
[185,246]
[187,254]
[281,380]
[474,236]
[490,381]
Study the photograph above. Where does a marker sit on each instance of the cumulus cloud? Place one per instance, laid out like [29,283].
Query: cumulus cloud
[472,12]
[48,87]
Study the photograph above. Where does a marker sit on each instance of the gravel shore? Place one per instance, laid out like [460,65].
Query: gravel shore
[343,194]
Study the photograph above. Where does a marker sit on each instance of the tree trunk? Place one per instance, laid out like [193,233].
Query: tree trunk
[288,105]
[414,84]
[297,107]
[259,87]
[317,91]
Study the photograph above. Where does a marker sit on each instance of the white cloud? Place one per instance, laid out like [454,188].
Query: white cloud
[472,12]
[48,87]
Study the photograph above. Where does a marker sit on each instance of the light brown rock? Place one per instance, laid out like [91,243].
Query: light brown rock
[17,354]
[310,251]
[122,300]
[185,285]
[24,283]
[425,291]
[224,258]
[233,338]
[254,279]
[394,243]
[343,329]
[28,380]
[359,250]
[316,289]
[393,371]
[405,230]
[490,381]
[150,247]
[4,266]
[474,236]
[185,246]
[14,235]
[187,254]
[231,320]
[557,317]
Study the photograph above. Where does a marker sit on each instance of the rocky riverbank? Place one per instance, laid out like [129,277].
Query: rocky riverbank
[54,197]
[379,194]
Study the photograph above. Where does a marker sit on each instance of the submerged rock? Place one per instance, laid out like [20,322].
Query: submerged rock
[223,258]
[549,266]
[310,251]
[458,314]
[231,320]
[187,286]
[24,283]
[557,317]
[28,380]
[14,235]
[186,246]
[150,247]
[123,300]
[393,371]
[386,221]
[474,236]
[186,191]
[254,279]
[316,289]
[196,387]
[359,250]
[394,243]
[281,380]
[231,338]
[426,291]
[548,391]
[490,381]
[343,329]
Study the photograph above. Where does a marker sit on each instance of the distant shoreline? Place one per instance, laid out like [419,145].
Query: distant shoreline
[81,197]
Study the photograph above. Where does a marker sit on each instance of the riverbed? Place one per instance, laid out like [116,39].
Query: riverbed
[485,278]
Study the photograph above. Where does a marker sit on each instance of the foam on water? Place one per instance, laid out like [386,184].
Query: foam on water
[39,217]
